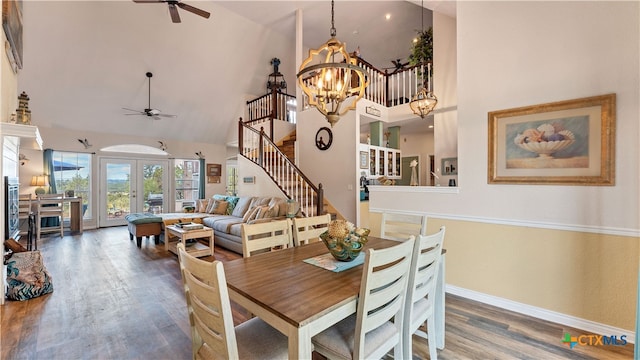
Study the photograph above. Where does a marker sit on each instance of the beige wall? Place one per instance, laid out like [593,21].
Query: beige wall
[583,275]
[567,250]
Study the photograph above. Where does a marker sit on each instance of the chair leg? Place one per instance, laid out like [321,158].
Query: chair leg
[431,340]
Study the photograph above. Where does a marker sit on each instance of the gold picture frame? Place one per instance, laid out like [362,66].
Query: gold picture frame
[569,142]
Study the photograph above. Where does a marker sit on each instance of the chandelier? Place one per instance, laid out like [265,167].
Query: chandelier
[424,100]
[329,76]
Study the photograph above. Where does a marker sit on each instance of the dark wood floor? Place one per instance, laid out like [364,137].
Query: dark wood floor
[115,301]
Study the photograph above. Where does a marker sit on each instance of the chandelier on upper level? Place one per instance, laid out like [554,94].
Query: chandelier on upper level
[424,101]
[329,77]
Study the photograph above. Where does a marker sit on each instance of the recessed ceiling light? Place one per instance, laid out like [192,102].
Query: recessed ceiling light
[430,126]
[387,16]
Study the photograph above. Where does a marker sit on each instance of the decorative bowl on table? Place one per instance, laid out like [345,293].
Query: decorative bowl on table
[344,240]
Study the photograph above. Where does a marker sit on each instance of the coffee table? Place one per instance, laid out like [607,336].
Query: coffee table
[196,248]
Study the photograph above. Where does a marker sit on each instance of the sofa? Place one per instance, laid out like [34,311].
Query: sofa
[226,214]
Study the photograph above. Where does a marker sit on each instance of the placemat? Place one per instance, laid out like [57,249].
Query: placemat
[327,261]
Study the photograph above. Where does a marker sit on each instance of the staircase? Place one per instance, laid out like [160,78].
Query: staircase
[257,147]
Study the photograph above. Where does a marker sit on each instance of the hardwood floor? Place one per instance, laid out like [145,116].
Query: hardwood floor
[112,300]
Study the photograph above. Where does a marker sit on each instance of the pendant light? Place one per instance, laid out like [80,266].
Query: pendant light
[424,101]
[329,77]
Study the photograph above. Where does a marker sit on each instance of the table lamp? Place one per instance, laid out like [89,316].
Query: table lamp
[40,181]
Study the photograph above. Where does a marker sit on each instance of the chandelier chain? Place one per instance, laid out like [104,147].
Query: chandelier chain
[333,27]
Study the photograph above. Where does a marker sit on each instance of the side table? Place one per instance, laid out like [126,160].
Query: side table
[196,249]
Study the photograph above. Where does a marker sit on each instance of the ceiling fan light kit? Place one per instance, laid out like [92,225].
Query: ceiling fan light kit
[173,8]
[149,111]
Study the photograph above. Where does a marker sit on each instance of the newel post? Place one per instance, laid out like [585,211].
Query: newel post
[320,204]
[260,146]
[240,143]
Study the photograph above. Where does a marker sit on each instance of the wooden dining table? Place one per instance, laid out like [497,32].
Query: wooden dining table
[297,298]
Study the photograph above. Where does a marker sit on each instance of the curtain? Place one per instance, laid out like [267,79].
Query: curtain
[203,176]
[47,169]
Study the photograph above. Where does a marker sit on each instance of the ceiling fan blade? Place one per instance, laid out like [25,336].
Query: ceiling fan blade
[135,111]
[167,115]
[173,11]
[155,117]
[194,10]
[147,1]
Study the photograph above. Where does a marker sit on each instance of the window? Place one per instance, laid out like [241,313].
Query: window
[72,172]
[187,174]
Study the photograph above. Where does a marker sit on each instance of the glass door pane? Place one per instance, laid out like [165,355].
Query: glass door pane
[153,189]
[118,197]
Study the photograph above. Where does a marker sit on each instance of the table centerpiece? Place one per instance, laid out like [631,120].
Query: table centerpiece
[344,240]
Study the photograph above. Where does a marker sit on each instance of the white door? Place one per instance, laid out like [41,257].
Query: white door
[130,186]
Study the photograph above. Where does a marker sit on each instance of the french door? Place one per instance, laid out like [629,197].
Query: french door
[130,186]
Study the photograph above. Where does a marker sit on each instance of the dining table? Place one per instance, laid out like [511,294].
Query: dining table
[300,299]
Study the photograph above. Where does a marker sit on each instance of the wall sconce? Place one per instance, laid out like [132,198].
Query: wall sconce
[162,146]
[85,142]
[200,155]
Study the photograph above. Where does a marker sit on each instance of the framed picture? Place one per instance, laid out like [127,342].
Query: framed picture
[213,179]
[564,143]
[214,170]
[364,159]
[449,166]
[12,25]
[249,179]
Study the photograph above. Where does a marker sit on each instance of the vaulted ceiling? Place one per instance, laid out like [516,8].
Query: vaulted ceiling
[86,60]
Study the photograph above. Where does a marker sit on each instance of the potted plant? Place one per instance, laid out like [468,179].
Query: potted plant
[422,49]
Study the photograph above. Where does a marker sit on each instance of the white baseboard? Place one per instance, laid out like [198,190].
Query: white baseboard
[540,313]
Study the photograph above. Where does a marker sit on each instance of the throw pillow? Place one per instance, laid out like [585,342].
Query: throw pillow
[219,207]
[263,212]
[201,205]
[273,211]
[242,206]
[210,206]
[232,200]
[250,214]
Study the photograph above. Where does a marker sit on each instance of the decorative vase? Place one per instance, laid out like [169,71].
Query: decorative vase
[349,243]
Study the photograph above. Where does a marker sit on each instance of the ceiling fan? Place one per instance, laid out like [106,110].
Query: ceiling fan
[398,65]
[173,8]
[153,113]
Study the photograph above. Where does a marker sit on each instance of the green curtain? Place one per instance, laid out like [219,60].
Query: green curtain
[203,176]
[47,169]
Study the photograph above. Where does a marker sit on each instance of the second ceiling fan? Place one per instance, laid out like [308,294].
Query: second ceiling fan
[149,111]
[173,8]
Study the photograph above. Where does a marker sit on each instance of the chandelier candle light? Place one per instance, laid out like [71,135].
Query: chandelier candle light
[424,101]
[329,76]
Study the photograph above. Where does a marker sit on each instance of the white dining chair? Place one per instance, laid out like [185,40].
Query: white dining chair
[213,335]
[266,236]
[308,229]
[376,328]
[397,226]
[49,206]
[421,292]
